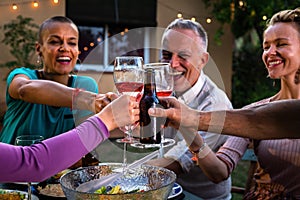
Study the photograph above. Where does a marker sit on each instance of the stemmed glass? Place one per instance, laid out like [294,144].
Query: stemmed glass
[164,80]
[129,79]
[27,140]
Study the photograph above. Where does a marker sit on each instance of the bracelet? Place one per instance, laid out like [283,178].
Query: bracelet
[75,93]
[201,153]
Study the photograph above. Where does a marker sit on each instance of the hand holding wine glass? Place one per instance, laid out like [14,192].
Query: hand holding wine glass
[164,81]
[27,140]
[164,78]
[128,78]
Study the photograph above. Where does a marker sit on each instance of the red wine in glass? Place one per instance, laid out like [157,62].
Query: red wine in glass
[164,80]
[164,93]
[129,79]
[131,88]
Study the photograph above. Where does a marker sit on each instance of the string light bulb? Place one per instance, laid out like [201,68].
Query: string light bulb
[208,20]
[241,4]
[193,19]
[14,6]
[264,17]
[179,15]
[35,4]
[55,1]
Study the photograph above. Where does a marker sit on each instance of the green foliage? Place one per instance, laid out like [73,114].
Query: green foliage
[244,16]
[249,80]
[20,36]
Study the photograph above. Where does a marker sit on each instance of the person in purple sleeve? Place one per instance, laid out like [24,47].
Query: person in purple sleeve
[35,163]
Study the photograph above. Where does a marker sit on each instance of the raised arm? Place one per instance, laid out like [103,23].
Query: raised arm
[35,163]
[274,120]
[55,94]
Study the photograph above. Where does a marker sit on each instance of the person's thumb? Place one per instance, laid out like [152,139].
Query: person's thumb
[157,112]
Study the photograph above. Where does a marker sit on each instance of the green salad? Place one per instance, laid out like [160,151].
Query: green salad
[11,195]
[115,190]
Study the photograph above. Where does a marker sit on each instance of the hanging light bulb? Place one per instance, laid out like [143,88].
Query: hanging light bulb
[241,4]
[264,17]
[35,4]
[55,1]
[208,20]
[14,6]
[179,15]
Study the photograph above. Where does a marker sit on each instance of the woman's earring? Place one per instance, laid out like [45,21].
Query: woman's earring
[297,75]
[274,81]
[39,61]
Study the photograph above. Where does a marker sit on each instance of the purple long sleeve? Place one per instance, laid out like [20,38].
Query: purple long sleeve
[40,161]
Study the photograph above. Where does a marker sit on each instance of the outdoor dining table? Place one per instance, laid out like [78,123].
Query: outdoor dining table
[185,195]
[23,187]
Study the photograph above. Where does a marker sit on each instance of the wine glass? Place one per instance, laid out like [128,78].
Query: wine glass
[164,80]
[129,79]
[27,140]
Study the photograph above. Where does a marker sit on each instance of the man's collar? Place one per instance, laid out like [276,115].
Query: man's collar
[191,93]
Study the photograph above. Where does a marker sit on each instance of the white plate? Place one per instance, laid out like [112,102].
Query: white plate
[167,142]
[176,190]
[33,197]
[25,183]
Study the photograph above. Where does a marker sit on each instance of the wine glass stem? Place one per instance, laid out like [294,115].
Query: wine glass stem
[29,190]
[124,155]
[129,134]
[161,148]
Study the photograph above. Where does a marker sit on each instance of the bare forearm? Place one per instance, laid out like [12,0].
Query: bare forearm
[55,94]
[213,168]
[269,121]
[45,92]
[210,164]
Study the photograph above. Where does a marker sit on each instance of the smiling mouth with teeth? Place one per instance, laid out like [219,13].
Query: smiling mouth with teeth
[63,59]
[175,73]
[275,62]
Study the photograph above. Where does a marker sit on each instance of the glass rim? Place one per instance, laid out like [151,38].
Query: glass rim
[29,136]
[129,57]
[156,65]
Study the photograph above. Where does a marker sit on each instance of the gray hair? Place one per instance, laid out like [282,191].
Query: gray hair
[190,25]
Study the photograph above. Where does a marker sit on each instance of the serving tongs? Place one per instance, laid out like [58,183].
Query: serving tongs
[93,185]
